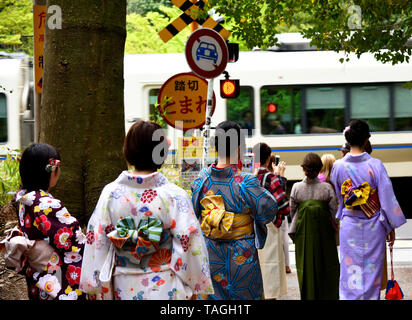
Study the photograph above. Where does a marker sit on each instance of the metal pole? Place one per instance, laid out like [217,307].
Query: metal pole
[206,132]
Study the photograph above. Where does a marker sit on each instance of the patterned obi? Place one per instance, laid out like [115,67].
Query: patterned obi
[142,240]
[362,198]
[221,224]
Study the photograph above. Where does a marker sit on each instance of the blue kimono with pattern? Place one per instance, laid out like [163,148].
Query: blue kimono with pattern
[234,264]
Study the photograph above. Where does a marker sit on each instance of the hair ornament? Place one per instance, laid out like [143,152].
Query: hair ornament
[346,129]
[52,165]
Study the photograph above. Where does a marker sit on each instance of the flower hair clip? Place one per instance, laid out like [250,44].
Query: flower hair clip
[52,165]
[346,129]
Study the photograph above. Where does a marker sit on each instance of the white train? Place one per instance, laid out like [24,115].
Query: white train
[314,96]
[16,101]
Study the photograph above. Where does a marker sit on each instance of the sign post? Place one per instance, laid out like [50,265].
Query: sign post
[39,22]
[207,55]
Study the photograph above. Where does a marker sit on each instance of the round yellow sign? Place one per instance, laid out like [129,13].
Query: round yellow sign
[182,101]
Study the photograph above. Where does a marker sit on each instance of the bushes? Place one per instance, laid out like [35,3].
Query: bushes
[9,176]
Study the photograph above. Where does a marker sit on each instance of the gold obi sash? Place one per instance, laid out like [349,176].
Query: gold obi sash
[221,224]
[362,197]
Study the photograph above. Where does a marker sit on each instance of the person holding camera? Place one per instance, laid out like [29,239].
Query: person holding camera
[271,256]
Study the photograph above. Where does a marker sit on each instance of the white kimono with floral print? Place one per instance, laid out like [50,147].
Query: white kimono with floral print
[177,268]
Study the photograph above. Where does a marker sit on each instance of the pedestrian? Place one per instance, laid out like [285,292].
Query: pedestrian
[234,210]
[313,207]
[143,238]
[327,165]
[345,149]
[44,219]
[368,212]
[284,227]
[271,256]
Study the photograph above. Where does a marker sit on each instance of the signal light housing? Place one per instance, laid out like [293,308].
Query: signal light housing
[229,89]
[233,49]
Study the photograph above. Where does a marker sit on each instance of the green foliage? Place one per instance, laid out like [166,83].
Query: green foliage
[142,32]
[142,7]
[331,24]
[16,20]
[9,176]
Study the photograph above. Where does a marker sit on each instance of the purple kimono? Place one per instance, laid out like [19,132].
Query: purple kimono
[362,239]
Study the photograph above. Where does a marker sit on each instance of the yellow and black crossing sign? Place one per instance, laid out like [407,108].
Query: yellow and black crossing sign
[190,14]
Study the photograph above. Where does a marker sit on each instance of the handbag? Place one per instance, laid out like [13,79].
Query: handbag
[393,290]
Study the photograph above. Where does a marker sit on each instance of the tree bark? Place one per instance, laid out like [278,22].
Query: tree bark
[82,112]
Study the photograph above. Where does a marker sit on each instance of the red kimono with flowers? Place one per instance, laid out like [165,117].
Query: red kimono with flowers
[42,217]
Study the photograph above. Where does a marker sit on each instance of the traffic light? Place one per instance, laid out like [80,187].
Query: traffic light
[272,108]
[229,88]
[233,49]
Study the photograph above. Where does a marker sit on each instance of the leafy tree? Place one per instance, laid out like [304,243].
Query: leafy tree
[82,108]
[143,7]
[16,20]
[358,26]
[142,32]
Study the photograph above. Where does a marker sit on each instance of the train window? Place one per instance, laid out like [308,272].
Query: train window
[371,103]
[241,109]
[153,93]
[3,118]
[403,108]
[280,110]
[325,109]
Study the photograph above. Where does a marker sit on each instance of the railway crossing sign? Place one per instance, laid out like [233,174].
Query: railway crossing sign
[206,53]
[191,14]
[182,101]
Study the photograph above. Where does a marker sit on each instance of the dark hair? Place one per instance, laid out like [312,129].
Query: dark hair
[262,152]
[345,147]
[141,146]
[312,164]
[226,130]
[272,161]
[358,132]
[32,168]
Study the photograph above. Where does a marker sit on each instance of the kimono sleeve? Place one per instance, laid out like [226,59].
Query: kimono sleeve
[336,185]
[99,255]
[196,192]
[391,214]
[189,258]
[65,237]
[262,204]
[333,205]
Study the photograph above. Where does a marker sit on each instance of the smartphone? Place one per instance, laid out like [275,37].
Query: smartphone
[248,162]
[277,159]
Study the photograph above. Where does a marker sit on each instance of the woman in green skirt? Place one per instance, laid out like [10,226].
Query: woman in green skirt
[313,206]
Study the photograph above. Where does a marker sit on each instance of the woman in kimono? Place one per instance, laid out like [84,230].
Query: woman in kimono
[368,212]
[58,240]
[143,238]
[234,211]
[313,207]
[271,256]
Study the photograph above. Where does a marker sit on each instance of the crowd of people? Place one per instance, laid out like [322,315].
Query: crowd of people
[147,239]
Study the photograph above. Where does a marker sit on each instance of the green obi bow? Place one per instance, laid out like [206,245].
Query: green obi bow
[144,240]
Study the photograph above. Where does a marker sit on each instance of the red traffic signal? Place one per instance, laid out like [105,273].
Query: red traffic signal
[272,108]
[229,88]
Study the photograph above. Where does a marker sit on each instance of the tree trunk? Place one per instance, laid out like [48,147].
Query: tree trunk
[82,112]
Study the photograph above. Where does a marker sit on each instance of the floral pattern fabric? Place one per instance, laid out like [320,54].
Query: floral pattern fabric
[234,263]
[43,217]
[175,267]
[362,240]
